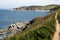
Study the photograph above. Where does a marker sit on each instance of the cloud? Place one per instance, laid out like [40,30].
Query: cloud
[17,3]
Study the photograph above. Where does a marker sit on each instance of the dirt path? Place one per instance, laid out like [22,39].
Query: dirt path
[56,35]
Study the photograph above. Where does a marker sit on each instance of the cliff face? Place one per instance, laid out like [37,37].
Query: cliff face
[36,8]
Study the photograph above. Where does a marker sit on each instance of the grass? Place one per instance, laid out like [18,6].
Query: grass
[40,28]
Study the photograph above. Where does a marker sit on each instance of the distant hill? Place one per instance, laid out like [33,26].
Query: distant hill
[36,8]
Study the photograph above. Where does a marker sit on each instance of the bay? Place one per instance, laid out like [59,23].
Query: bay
[7,17]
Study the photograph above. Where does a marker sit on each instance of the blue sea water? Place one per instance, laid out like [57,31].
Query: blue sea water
[8,17]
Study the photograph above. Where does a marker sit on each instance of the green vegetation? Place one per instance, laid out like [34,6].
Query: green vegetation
[58,17]
[41,28]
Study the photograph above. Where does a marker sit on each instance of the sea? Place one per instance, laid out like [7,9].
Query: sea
[7,17]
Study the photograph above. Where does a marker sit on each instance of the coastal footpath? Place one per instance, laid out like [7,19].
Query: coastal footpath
[56,35]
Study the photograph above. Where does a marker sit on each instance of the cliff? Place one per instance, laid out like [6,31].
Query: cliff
[40,28]
[36,8]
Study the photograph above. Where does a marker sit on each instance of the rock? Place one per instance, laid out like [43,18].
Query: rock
[18,27]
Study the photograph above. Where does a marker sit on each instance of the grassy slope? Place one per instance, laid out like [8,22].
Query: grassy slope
[58,15]
[41,28]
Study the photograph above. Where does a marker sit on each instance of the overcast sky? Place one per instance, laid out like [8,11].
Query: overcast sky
[7,4]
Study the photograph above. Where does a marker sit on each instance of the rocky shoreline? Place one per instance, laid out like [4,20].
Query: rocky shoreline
[14,28]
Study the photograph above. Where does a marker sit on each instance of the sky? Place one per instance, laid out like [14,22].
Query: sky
[7,4]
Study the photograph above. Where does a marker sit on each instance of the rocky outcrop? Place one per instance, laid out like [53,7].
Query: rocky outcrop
[18,27]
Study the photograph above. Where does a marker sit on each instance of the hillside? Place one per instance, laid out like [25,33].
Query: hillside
[40,28]
[36,8]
